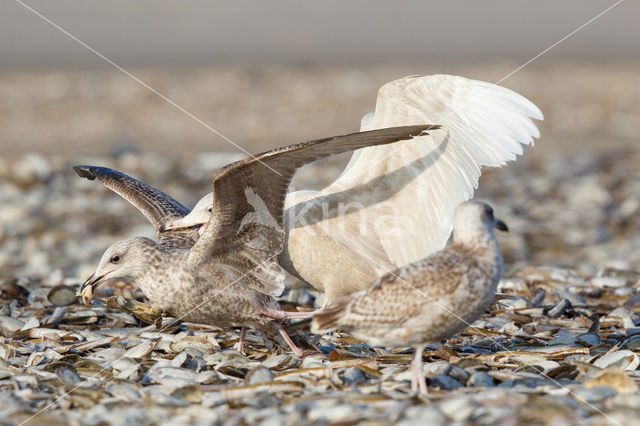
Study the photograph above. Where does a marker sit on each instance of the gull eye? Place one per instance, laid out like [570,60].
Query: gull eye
[115,259]
[210,209]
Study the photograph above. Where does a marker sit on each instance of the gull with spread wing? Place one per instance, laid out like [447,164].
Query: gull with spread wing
[229,276]
[393,205]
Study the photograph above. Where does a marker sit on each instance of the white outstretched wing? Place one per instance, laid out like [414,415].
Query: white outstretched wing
[409,190]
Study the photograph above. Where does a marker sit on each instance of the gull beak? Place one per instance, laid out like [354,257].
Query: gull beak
[501,225]
[86,290]
[184,222]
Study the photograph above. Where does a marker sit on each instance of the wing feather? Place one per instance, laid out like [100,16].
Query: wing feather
[158,207]
[482,125]
[267,177]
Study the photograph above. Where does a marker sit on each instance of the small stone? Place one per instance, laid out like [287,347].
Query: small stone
[588,339]
[574,299]
[458,374]
[564,337]
[32,323]
[422,415]
[624,291]
[624,360]
[458,408]
[259,375]
[615,378]
[538,297]
[62,295]
[68,377]
[632,342]
[9,325]
[353,376]
[445,383]
[560,308]
[481,380]
[622,314]
[608,282]
[196,364]
[595,394]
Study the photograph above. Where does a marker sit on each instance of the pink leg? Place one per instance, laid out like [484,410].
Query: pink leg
[296,350]
[243,334]
[417,377]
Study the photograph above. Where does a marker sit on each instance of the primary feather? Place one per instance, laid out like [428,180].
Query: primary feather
[482,124]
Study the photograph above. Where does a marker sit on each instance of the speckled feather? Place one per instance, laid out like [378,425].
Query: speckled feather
[230,275]
[422,302]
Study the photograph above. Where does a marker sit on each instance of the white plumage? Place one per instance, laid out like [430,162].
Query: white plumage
[482,125]
[393,205]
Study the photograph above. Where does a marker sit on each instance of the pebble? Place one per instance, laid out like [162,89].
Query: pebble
[621,313]
[188,374]
[445,383]
[564,337]
[588,339]
[353,376]
[595,394]
[559,308]
[9,325]
[62,295]
[260,375]
[458,374]
[611,282]
[623,359]
[458,408]
[481,379]
[422,415]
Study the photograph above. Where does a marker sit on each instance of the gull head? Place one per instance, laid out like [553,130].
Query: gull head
[199,216]
[127,258]
[474,219]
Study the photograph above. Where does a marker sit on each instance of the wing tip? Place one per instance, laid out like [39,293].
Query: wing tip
[536,113]
[85,172]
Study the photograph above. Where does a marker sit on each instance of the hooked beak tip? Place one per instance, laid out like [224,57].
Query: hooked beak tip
[86,284]
[86,290]
[501,225]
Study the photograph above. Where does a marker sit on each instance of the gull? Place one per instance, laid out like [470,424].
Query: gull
[393,205]
[428,300]
[229,276]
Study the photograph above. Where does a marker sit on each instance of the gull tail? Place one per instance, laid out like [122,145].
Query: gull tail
[329,318]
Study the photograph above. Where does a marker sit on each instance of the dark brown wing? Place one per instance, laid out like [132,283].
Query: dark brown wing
[157,206]
[249,194]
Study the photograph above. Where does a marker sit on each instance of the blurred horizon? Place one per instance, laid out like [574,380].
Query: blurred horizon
[266,74]
[282,32]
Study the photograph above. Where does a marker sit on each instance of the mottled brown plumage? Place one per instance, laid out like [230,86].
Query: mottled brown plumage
[431,299]
[230,275]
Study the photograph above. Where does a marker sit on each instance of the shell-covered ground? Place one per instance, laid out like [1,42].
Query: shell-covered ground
[559,345]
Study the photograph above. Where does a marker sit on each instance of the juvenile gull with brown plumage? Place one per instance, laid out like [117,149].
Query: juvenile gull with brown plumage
[428,300]
[229,276]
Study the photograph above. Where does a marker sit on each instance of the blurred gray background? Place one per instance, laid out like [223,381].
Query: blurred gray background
[270,73]
[265,74]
